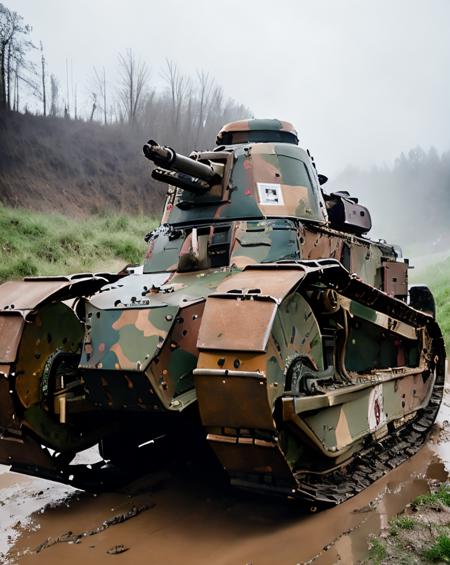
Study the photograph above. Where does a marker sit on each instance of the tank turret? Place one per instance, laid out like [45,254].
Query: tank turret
[258,171]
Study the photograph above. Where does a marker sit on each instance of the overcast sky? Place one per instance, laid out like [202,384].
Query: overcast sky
[362,80]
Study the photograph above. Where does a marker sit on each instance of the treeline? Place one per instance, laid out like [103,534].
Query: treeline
[185,112]
[409,201]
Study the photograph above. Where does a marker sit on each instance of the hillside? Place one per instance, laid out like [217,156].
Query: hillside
[74,167]
[37,243]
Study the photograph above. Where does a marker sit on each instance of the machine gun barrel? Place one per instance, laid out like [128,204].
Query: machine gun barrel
[167,158]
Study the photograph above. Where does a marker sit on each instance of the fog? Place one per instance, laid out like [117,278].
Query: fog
[363,81]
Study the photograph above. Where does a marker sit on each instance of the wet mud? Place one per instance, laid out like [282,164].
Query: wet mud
[175,517]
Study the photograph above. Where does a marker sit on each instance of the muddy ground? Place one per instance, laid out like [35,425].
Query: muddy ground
[172,518]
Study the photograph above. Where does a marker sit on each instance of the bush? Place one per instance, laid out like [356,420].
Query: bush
[440,551]
[377,551]
[19,269]
[125,249]
[401,523]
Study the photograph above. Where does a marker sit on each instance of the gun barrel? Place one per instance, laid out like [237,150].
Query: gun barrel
[167,158]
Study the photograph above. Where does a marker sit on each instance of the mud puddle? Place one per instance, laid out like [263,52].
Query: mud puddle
[175,518]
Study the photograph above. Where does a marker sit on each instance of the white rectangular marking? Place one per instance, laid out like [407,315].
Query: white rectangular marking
[270,194]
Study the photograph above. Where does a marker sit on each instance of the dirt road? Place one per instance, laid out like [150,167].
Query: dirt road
[175,518]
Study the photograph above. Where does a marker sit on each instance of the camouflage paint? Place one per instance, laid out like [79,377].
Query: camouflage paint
[124,339]
[278,164]
[342,425]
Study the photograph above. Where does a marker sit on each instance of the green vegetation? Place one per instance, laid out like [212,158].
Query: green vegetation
[34,243]
[377,551]
[438,279]
[442,496]
[440,550]
[401,523]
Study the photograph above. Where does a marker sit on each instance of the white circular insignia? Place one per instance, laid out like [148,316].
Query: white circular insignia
[376,415]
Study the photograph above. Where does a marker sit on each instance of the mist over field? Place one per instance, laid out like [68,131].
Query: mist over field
[409,201]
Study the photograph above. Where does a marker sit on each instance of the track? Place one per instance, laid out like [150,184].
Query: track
[374,462]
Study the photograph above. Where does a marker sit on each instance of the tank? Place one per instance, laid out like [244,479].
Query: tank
[264,328]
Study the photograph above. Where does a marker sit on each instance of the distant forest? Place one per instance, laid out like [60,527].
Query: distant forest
[409,201]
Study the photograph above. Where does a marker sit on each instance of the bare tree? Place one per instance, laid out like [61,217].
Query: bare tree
[44,94]
[13,44]
[134,75]
[67,104]
[204,101]
[178,86]
[189,121]
[54,95]
[20,70]
[94,106]
[100,87]
[16,88]
[75,101]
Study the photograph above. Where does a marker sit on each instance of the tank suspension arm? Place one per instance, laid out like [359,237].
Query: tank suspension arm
[341,349]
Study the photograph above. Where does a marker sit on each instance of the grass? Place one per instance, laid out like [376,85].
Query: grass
[439,551]
[34,243]
[377,551]
[401,523]
[437,277]
[441,496]
[441,291]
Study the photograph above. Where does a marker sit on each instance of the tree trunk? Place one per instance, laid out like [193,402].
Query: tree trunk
[2,77]
[94,106]
[44,94]
[8,77]
[16,88]
[104,96]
